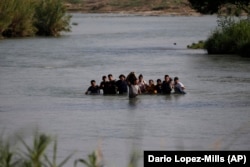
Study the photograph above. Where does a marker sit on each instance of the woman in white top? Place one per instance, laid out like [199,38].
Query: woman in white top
[134,89]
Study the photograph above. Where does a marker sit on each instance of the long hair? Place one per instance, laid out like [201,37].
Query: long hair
[131,78]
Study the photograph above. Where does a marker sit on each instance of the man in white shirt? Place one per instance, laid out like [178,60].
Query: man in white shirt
[178,86]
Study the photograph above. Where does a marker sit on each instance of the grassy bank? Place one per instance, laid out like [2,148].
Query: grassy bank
[33,17]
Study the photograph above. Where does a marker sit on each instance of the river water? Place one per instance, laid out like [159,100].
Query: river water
[43,81]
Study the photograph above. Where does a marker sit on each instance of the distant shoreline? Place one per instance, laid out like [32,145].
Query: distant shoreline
[101,6]
[138,13]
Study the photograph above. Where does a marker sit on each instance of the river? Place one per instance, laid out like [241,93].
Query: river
[43,81]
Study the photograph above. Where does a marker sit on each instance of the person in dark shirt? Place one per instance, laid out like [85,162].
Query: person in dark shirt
[111,85]
[167,85]
[121,84]
[158,86]
[93,89]
[103,83]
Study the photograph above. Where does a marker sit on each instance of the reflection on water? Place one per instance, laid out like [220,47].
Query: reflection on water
[43,81]
[133,102]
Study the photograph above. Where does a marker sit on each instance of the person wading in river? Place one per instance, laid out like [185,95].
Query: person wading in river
[134,89]
[93,89]
[178,86]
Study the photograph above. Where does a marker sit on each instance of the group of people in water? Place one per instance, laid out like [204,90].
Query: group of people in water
[134,86]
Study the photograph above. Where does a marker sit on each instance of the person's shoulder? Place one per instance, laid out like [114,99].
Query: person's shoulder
[181,84]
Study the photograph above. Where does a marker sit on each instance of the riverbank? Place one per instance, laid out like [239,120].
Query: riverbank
[139,7]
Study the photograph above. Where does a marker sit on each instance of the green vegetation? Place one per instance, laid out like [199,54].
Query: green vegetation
[31,156]
[50,18]
[231,37]
[16,18]
[199,45]
[23,154]
[92,161]
[32,17]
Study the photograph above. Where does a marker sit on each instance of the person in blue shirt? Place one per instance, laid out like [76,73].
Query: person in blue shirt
[158,86]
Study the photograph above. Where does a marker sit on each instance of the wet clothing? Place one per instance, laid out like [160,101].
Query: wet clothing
[178,88]
[110,87]
[93,90]
[142,86]
[102,86]
[158,88]
[150,89]
[166,88]
[133,90]
[122,86]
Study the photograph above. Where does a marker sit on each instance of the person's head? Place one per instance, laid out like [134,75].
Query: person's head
[140,77]
[176,79]
[122,77]
[151,82]
[92,82]
[131,77]
[166,78]
[104,78]
[158,81]
[110,76]
[136,81]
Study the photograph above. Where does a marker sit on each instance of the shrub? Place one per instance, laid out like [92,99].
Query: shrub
[230,37]
[199,45]
[50,17]
[5,14]
[19,18]
[244,49]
